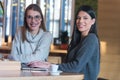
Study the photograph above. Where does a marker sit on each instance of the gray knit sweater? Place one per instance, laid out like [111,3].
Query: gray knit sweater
[84,58]
[33,48]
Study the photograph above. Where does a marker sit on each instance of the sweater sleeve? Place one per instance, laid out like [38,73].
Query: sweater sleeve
[82,56]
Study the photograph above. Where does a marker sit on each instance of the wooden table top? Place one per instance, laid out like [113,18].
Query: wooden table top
[37,75]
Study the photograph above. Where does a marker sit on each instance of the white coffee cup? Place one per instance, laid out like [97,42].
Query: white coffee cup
[54,68]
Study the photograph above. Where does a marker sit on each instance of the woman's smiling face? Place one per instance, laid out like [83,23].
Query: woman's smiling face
[84,22]
[33,19]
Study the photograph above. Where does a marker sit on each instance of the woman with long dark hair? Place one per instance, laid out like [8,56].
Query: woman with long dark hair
[84,50]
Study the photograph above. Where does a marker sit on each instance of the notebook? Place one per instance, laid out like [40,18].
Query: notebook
[25,67]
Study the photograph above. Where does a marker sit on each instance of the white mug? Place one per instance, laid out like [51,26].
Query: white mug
[54,68]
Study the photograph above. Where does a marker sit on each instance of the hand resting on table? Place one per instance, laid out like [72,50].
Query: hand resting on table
[39,64]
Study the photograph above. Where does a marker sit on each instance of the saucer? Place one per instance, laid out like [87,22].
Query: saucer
[55,73]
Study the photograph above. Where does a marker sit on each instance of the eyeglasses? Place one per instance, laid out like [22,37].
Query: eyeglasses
[36,18]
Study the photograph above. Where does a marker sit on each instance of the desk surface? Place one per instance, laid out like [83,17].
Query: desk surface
[37,75]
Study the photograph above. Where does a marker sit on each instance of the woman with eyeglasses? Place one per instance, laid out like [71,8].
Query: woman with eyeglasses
[32,41]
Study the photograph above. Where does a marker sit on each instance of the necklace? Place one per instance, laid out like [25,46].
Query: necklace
[37,45]
[33,50]
[33,36]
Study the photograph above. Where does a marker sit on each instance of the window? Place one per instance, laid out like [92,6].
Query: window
[58,15]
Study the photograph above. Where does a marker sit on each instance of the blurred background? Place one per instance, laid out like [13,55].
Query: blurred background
[59,18]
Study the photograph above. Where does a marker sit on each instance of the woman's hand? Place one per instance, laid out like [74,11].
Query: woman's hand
[40,64]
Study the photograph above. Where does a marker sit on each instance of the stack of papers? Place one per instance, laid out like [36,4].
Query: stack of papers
[35,69]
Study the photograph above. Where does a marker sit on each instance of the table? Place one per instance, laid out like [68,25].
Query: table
[37,75]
